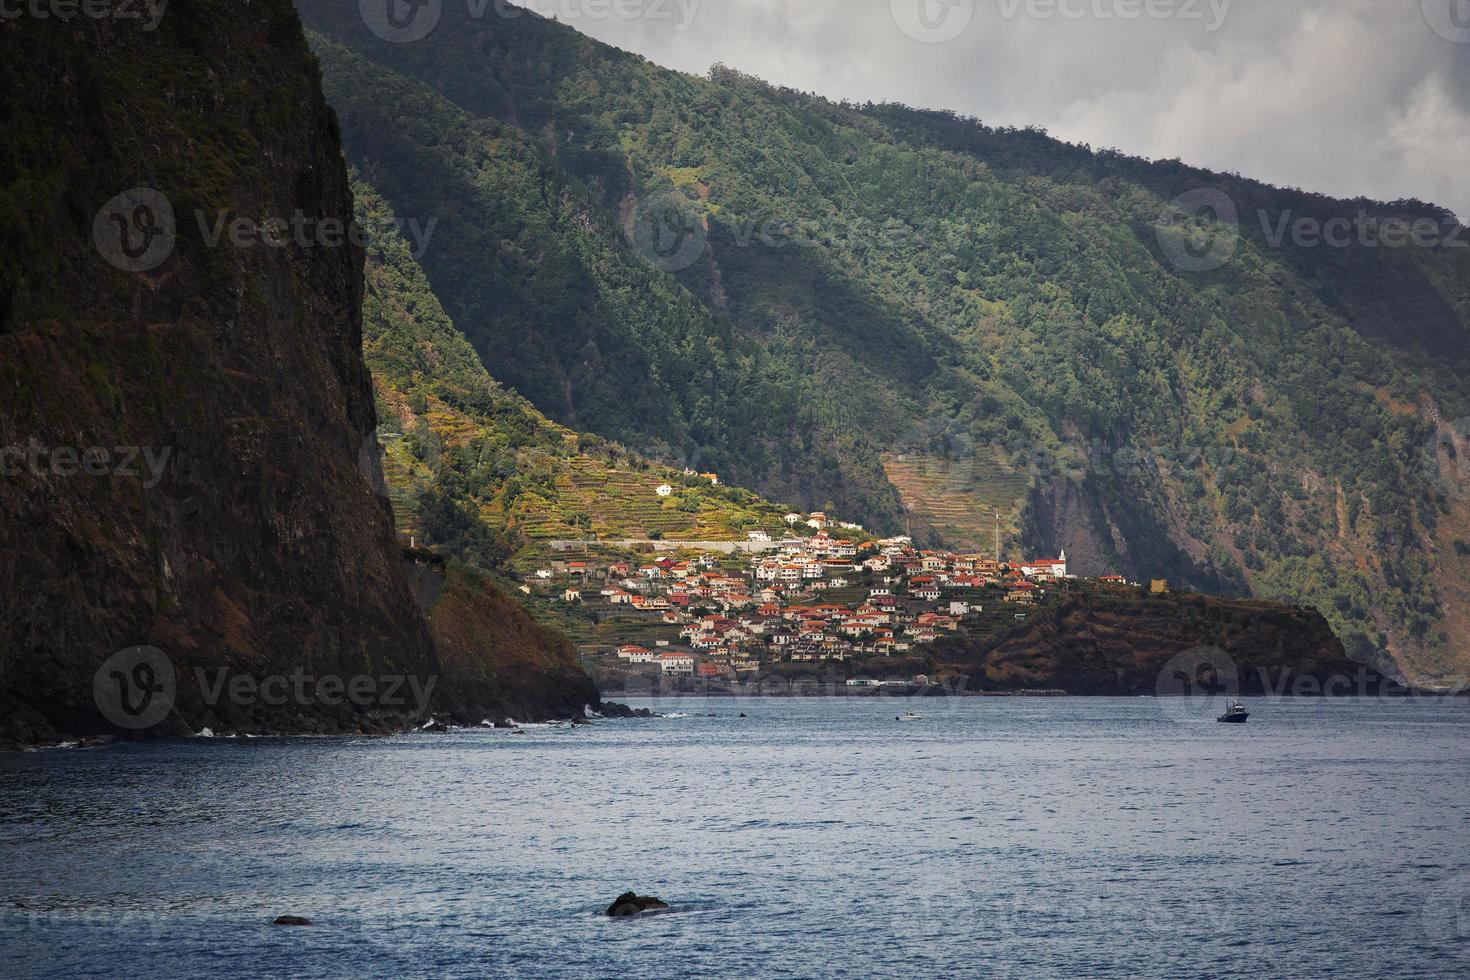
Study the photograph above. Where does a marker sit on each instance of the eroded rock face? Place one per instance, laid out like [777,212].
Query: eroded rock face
[187,453]
[228,518]
[630,904]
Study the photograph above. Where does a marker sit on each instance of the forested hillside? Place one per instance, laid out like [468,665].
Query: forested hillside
[800,294]
[474,469]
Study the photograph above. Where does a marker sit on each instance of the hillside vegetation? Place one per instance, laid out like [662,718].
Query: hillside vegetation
[791,291]
[473,468]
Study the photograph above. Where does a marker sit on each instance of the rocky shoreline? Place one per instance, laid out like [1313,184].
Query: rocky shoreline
[381,728]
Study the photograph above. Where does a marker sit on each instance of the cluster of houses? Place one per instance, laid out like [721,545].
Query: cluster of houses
[808,598]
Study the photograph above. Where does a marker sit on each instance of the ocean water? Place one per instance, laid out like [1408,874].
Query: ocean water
[815,838]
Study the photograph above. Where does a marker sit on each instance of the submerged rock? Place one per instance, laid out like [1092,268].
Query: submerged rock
[629,904]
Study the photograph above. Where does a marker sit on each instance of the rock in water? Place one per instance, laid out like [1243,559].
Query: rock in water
[630,904]
[292,920]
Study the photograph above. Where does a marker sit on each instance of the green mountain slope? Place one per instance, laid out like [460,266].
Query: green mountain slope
[800,292]
[473,468]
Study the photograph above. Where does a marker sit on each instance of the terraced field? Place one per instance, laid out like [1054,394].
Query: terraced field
[621,502]
[959,497]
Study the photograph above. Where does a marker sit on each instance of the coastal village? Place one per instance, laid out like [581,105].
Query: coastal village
[822,591]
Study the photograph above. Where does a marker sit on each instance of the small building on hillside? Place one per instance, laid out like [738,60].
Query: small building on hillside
[1046,567]
[676,664]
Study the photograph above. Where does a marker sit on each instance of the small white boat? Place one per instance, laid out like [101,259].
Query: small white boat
[908,716]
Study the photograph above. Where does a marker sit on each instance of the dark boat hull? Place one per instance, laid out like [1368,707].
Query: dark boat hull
[1234,719]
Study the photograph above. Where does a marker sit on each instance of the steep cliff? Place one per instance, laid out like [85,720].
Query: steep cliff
[184,408]
[493,653]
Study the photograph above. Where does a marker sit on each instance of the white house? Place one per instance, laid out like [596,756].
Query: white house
[677,664]
[635,654]
[665,491]
[760,537]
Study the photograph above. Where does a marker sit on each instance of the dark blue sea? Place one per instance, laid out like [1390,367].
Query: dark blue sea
[815,838]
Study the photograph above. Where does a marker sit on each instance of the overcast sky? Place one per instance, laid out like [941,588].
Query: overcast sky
[1348,97]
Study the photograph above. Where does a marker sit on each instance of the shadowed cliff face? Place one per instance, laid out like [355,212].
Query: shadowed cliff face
[183,401]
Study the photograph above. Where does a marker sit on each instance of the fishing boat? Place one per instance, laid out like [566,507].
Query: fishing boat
[1235,714]
[908,716]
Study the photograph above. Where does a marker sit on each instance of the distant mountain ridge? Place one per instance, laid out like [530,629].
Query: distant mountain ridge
[800,293]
